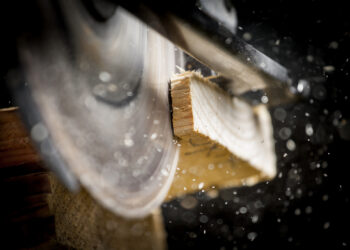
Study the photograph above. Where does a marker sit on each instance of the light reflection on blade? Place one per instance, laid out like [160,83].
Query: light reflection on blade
[103,97]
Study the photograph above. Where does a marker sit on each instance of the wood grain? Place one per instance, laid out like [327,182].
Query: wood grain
[15,145]
[224,141]
[26,220]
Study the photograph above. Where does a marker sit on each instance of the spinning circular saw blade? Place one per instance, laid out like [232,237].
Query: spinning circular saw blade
[96,101]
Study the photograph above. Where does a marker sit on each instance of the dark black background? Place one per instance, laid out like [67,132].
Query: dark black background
[289,32]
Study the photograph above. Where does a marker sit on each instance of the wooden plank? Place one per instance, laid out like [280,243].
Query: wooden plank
[26,220]
[16,204]
[23,169]
[15,145]
[224,141]
[25,185]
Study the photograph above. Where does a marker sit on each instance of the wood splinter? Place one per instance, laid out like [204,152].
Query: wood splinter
[224,141]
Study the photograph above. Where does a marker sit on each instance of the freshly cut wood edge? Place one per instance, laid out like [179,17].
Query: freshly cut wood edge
[219,132]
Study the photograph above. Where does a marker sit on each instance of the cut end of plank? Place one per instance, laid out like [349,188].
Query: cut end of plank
[224,141]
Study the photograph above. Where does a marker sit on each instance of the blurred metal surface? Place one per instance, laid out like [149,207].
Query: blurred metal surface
[100,97]
[209,36]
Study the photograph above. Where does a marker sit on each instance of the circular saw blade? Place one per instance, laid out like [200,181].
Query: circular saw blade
[101,89]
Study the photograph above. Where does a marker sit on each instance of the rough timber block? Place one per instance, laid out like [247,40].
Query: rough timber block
[224,141]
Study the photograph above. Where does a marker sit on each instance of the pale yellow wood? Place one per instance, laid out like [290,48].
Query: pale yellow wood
[215,132]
